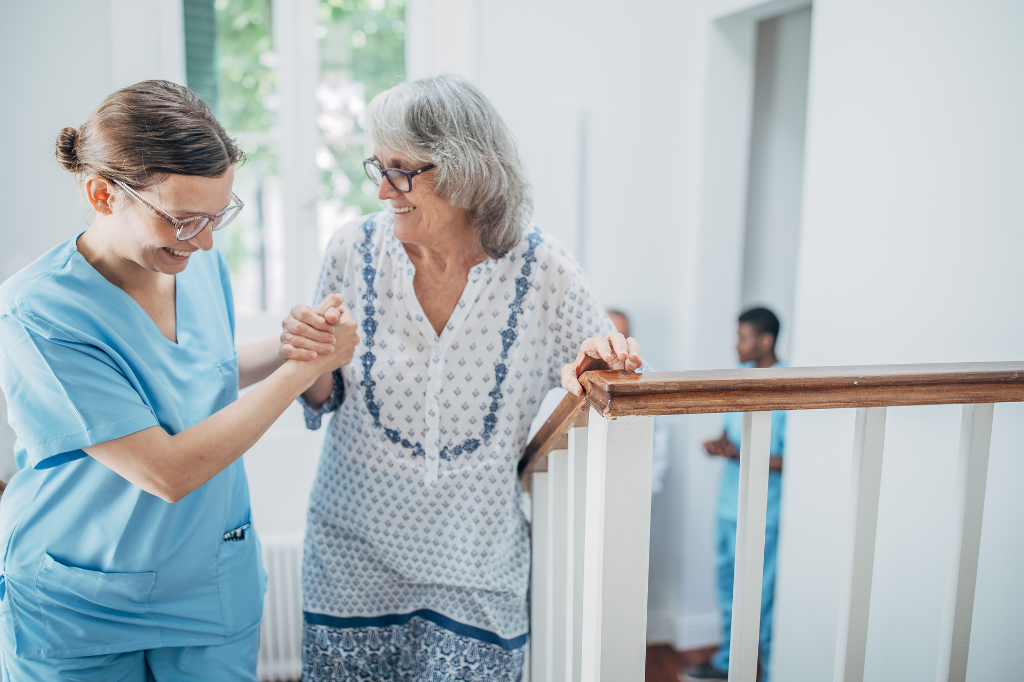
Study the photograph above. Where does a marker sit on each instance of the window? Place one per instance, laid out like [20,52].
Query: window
[362,52]
[361,46]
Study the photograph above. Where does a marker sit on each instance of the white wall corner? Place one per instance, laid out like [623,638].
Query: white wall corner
[697,631]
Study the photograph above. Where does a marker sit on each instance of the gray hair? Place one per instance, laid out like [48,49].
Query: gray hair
[447,121]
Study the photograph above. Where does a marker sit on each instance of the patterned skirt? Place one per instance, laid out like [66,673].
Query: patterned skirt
[425,633]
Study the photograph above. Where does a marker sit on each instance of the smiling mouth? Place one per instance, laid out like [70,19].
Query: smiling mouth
[179,254]
[404,209]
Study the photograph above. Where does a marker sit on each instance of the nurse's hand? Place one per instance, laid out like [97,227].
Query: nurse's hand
[309,332]
[599,352]
[345,340]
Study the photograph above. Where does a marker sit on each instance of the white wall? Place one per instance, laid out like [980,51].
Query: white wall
[775,184]
[910,253]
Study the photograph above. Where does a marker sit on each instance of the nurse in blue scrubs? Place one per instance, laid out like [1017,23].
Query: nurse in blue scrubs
[128,548]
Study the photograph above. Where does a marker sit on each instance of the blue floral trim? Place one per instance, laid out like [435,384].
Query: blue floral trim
[418,650]
[403,619]
[508,338]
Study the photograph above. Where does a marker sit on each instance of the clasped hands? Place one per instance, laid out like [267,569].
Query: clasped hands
[329,329]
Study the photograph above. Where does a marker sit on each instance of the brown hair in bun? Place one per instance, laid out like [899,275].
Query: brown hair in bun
[67,150]
[144,132]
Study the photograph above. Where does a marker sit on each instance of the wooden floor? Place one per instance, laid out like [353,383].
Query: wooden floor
[665,663]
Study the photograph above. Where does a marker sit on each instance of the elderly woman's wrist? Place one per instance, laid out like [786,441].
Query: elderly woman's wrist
[319,392]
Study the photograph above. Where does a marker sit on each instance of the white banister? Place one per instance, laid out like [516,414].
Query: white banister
[560,484]
[750,525]
[578,468]
[969,501]
[540,579]
[617,547]
[855,591]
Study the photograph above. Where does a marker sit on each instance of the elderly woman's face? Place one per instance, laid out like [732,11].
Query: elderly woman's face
[421,217]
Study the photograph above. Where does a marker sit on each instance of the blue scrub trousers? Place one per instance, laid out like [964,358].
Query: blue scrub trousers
[234,661]
[725,544]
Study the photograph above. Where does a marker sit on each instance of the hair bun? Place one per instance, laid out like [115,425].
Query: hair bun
[67,151]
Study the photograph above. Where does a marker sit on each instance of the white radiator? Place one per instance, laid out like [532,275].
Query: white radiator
[281,632]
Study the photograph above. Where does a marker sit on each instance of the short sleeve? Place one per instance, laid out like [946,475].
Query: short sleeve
[579,316]
[63,396]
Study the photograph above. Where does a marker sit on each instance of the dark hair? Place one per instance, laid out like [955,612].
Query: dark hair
[142,133]
[763,320]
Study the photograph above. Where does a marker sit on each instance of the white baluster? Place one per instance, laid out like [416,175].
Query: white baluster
[540,580]
[969,501]
[578,468]
[855,592]
[750,524]
[560,483]
[617,548]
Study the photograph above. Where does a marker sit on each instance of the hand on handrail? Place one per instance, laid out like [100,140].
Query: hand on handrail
[599,352]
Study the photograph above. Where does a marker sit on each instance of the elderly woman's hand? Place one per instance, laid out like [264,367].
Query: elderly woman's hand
[598,352]
[309,332]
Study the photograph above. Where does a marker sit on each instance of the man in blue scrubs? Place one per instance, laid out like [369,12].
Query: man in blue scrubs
[757,332]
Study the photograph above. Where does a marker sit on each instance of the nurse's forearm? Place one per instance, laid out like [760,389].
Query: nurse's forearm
[257,361]
[171,467]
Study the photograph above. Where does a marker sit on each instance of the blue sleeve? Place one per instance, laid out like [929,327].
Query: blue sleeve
[778,434]
[63,396]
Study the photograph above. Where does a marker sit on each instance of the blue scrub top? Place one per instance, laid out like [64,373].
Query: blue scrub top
[729,491]
[91,563]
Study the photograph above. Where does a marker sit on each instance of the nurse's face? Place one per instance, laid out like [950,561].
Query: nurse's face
[149,240]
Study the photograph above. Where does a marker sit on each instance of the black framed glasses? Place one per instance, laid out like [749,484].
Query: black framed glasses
[400,179]
[189,227]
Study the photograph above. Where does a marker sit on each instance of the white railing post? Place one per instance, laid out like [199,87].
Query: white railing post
[574,591]
[969,498]
[855,591]
[617,548]
[560,484]
[540,579]
[750,524]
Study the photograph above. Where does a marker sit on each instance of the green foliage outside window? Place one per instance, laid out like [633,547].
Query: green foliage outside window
[362,52]
[246,73]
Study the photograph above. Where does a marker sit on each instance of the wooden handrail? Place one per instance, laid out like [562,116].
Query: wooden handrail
[616,394]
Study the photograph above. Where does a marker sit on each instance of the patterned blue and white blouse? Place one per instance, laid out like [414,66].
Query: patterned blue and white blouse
[417,553]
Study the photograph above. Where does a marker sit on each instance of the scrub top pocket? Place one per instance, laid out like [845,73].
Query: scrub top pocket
[88,612]
[242,582]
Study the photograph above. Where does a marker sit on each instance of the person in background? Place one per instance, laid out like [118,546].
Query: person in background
[758,329]
[662,432]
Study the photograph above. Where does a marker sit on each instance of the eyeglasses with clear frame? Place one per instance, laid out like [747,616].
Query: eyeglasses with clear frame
[400,179]
[190,227]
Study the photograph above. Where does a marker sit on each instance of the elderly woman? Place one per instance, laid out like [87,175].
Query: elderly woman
[417,553]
